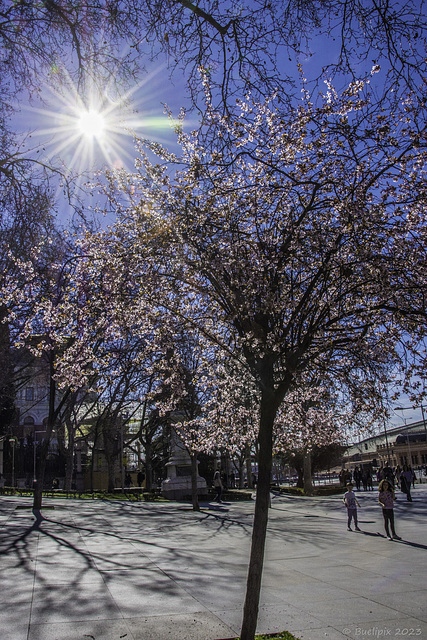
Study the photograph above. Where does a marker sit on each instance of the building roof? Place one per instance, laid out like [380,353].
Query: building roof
[371,443]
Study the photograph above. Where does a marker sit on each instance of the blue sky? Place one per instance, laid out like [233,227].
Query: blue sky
[49,125]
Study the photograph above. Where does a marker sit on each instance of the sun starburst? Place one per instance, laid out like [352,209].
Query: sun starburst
[96,129]
[92,124]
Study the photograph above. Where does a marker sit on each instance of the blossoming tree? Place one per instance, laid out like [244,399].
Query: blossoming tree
[295,240]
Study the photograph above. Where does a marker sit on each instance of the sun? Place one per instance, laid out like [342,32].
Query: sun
[89,128]
[92,124]
[96,129]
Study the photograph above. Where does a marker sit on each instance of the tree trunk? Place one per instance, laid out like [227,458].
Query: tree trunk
[7,391]
[38,487]
[300,474]
[39,479]
[308,483]
[249,467]
[241,473]
[194,493]
[111,472]
[69,466]
[92,470]
[93,460]
[148,463]
[259,531]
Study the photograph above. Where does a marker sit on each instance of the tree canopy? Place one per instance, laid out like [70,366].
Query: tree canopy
[289,233]
[295,240]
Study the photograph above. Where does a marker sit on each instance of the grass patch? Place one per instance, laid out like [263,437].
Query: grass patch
[292,491]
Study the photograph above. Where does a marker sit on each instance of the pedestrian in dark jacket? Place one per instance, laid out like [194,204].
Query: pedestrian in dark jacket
[406,482]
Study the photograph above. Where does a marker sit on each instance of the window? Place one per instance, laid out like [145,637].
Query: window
[29,393]
[42,393]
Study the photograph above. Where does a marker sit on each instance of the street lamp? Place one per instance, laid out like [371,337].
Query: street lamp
[406,428]
[424,424]
[386,442]
[13,441]
[123,420]
[122,469]
[412,408]
[424,420]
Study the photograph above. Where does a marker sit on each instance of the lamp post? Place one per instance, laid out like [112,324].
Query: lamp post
[13,441]
[123,420]
[122,468]
[386,442]
[79,472]
[406,427]
[411,409]
[424,420]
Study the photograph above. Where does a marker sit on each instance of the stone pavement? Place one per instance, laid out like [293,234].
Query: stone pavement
[159,571]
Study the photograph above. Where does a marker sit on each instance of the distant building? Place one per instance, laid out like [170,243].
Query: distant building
[406,444]
[32,383]
[32,403]
[28,430]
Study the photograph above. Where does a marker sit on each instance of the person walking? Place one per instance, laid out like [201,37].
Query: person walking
[386,499]
[217,483]
[369,482]
[357,475]
[388,474]
[351,503]
[397,473]
[406,482]
[365,479]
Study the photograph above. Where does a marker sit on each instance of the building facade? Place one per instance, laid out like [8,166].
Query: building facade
[406,444]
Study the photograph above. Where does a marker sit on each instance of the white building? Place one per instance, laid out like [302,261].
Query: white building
[401,445]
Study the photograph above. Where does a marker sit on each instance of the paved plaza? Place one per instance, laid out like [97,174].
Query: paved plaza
[159,571]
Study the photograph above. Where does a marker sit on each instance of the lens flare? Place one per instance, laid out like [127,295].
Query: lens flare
[87,128]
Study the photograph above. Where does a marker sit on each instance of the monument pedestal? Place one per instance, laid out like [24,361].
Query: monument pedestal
[177,485]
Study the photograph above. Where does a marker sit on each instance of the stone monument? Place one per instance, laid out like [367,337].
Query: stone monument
[177,485]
